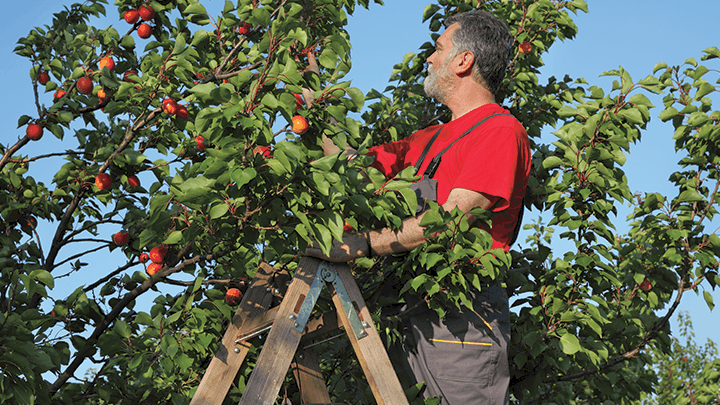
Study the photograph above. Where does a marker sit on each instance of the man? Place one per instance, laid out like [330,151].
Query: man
[463,357]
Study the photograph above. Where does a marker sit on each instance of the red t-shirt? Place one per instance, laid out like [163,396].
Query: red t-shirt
[494,159]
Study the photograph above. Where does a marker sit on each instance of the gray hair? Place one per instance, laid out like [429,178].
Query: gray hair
[489,40]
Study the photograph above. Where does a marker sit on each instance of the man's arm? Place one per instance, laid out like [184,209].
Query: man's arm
[409,236]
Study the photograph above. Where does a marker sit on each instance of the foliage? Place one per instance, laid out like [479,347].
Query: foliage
[582,323]
[688,373]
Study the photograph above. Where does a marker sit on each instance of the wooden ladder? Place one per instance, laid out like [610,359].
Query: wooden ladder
[288,324]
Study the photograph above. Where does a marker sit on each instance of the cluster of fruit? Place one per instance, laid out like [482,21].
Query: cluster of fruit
[171,107]
[103,181]
[144,12]
[157,258]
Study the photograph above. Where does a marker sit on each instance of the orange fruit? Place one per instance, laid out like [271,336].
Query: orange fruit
[107,62]
[103,181]
[299,124]
[153,268]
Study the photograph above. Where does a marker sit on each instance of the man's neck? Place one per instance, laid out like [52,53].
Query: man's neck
[468,97]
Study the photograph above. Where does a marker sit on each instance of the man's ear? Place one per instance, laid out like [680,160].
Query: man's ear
[464,63]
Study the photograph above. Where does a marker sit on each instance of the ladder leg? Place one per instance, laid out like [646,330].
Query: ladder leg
[282,341]
[309,377]
[223,368]
[370,350]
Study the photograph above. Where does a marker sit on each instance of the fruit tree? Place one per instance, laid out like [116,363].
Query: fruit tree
[197,137]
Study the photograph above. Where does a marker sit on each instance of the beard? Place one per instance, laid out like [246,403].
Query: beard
[437,84]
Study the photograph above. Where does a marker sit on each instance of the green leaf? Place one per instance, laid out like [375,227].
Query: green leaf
[690,195]
[704,90]
[569,343]
[122,328]
[173,238]
[551,161]
[179,45]
[243,176]
[218,210]
[429,11]
[44,277]
[708,299]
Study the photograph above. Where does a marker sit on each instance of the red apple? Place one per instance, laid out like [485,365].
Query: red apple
[144,258]
[200,141]
[43,78]
[121,238]
[347,227]
[146,12]
[169,106]
[157,254]
[127,74]
[84,85]
[525,47]
[59,94]
[144,31]
[646,285]
[103,181]
[182,112]
[244,28]
[232,296]
[131,16]
[153,268]
[133,181]
[34,131]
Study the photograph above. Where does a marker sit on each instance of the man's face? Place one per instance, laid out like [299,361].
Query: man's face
[439,83]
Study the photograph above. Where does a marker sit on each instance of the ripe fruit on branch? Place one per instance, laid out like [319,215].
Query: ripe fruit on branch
[59,94]
[43,78]
[121,238]
[102,95]
[103,181]
[34,131]
[157,254]
[84,85]
[232,296]
[146,12]
[299,124]
[107,62]
[262,150]
[182,112]
[144,31]
[133,181]
[244,28]
[126,75]
[200,141]
[131,16]
[153,268]
[347,227]
[525,47]
[169,106]
[144,258]
[646,285]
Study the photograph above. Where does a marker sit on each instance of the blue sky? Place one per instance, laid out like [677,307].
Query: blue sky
[633,34]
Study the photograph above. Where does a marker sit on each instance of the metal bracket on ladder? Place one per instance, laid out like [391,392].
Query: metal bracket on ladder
[327,274]
[290,323]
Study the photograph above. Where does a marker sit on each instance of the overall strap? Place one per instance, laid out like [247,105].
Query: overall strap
[426,150]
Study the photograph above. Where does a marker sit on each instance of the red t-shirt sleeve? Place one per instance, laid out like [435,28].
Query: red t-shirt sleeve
[390,157]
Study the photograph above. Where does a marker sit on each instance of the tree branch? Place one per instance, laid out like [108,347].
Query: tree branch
[89,346]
